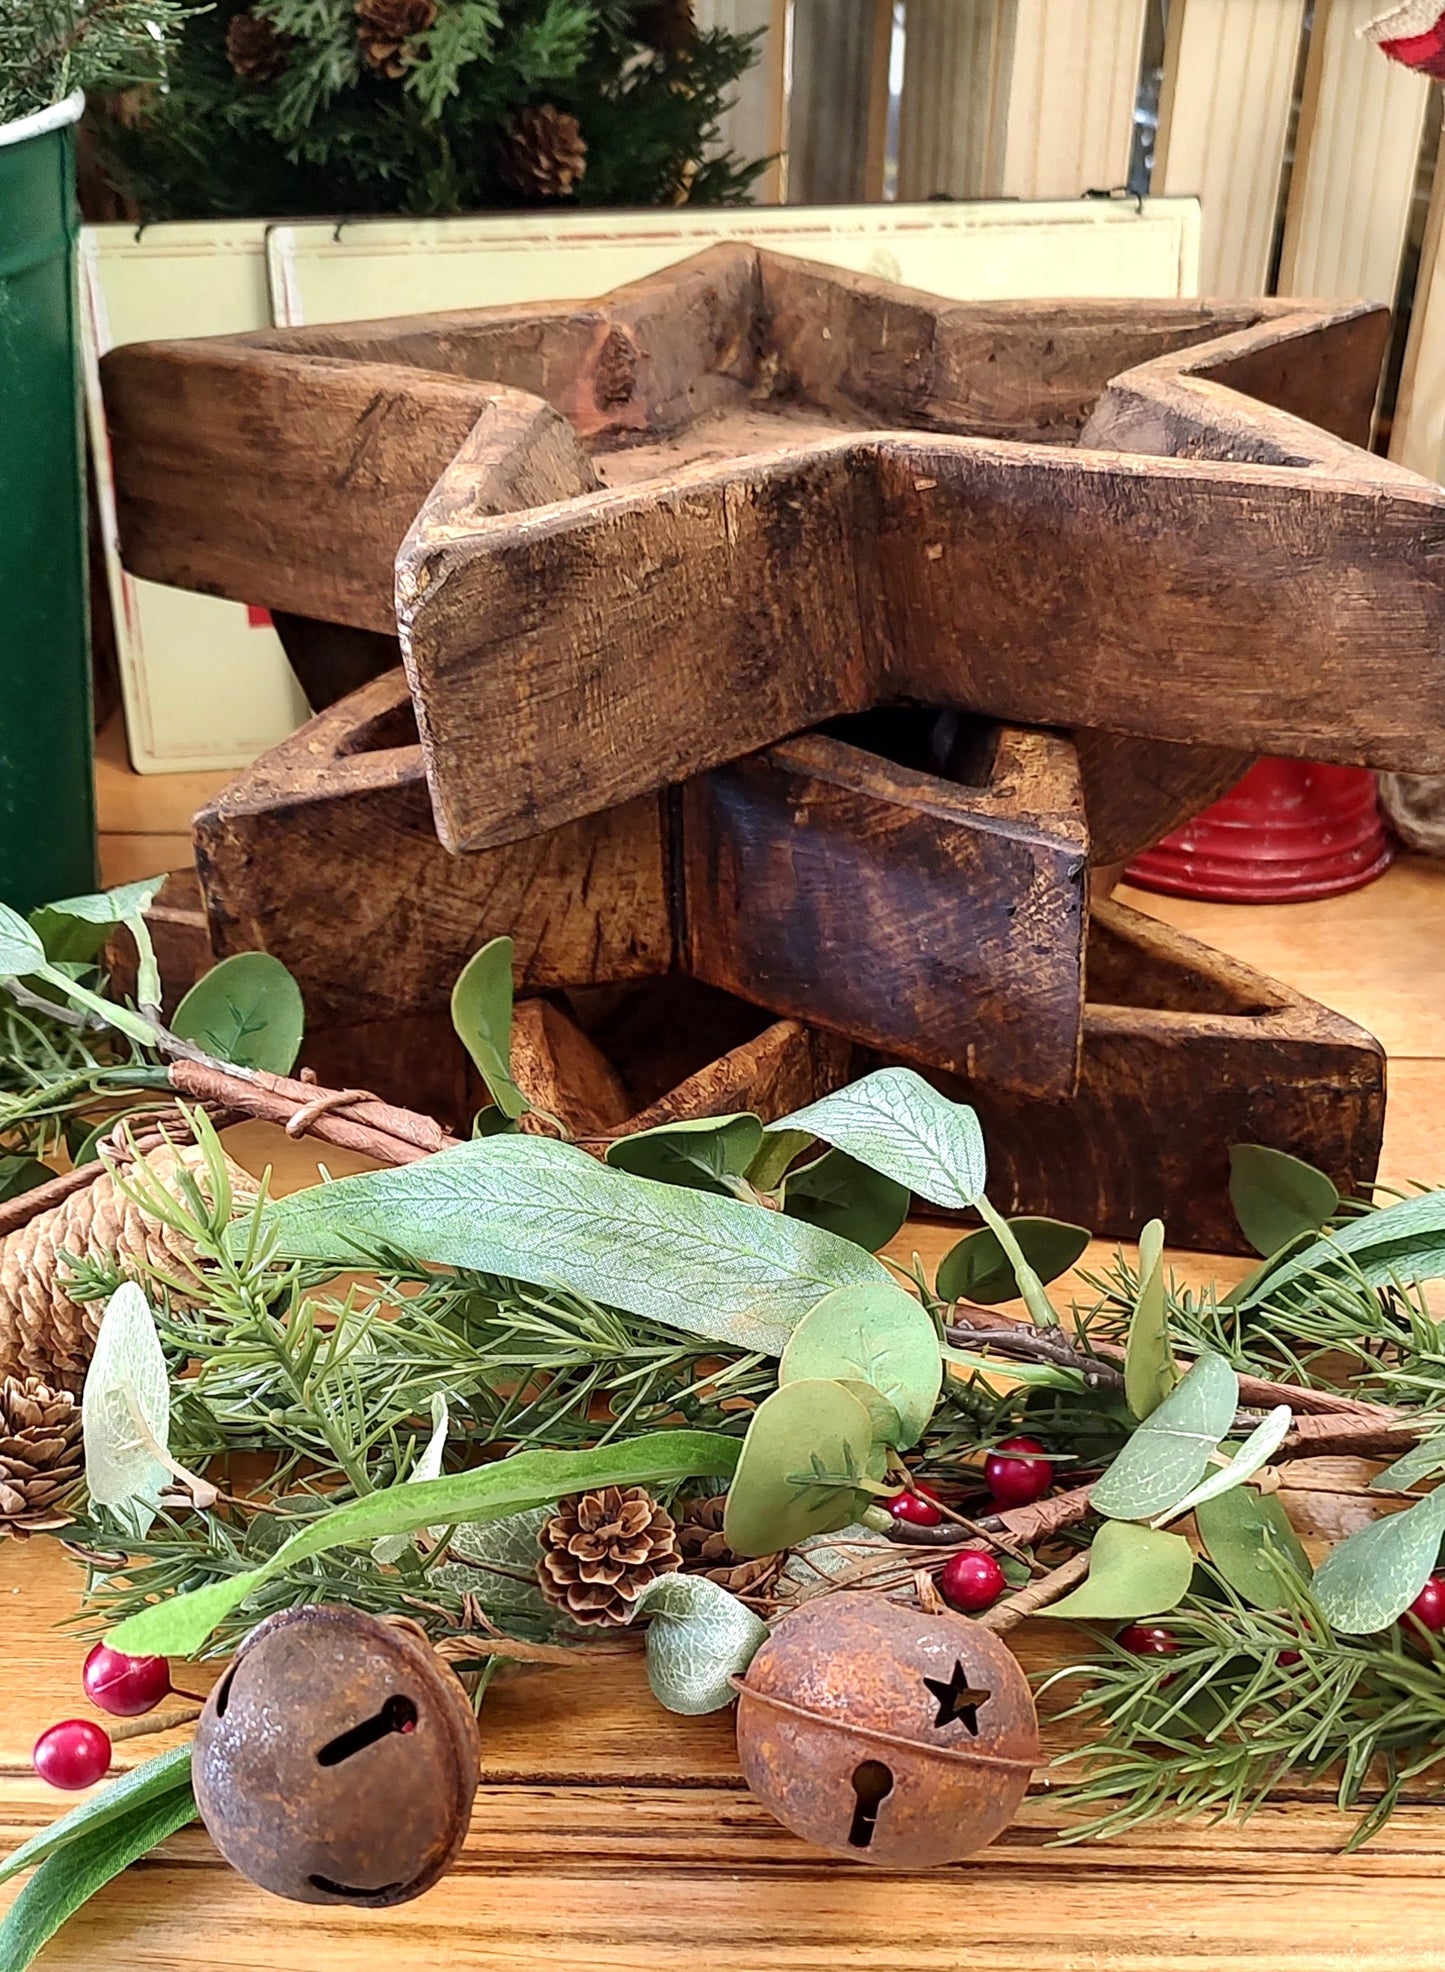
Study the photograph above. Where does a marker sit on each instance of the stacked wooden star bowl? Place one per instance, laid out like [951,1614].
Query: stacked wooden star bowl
[773,653]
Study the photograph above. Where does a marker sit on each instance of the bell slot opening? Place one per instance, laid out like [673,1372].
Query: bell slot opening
[352,1894]
[398,1714]
[872,1784]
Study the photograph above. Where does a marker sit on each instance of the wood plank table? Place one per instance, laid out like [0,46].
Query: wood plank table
[610,1834]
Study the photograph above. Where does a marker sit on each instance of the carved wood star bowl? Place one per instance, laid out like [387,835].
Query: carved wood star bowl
[717,507]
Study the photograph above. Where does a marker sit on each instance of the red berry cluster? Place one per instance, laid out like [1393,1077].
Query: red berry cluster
[77,1752]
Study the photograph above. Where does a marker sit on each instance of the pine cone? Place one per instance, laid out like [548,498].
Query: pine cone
[40,1456]
[255,49]
[669,26]
[543,153]
[600,1550]
[43,1333]
[383,27]
[706,1552]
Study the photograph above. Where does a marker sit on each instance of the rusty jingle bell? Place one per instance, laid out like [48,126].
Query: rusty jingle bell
[337,1759]
[885,1733]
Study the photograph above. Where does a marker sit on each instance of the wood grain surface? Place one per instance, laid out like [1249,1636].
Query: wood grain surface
[1241,508]
[960,903]
[897,908]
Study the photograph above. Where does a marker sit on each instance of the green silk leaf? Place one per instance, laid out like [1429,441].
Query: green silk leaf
[979,1270]
[1369,1580]
[701,1154]
[165,1774]
[482,1017]
[86,1862]
[1248,1537]
[895,1122]
[180,1626]
[1133,1571]
[247,1010]
[699,1637]
[879,1335]
[529,1208]
[1167,1456]
[804,1444]
[842,1196]
[1149,1368]
[1277,1197]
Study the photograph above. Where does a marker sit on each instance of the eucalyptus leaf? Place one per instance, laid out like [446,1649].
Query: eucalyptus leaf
[126,1412]
[1167,1456]
[880,1335]
[76,928]
[895,1122]
[1404,1242]
[391,1547]
[979,1270]
[803,1444]
[529,1208]
[701,1154]
[1256,1451]
[1149,1368]
[21,951]
[86,1863]
[1369,1580]
[845,1197]
[1277,1197]
[1248,1537]
[482,1017]
[20,1174]
[699,1637]
[247,1010]
[1133,1571]
[179,1627]
[1421,1462]
[167,1773]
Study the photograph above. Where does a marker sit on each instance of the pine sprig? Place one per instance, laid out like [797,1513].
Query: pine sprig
[1251,1701]
[48,48]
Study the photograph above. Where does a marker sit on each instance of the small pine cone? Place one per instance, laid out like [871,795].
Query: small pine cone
[40,1455]
[600,1550]
[543,153]
[384,27]
[669,26]
[43,1333]
[255,49]
[706,1552]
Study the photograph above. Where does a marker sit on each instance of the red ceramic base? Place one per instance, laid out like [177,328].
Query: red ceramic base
[1290,830]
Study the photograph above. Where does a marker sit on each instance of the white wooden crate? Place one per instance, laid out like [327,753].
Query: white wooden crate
[205,682]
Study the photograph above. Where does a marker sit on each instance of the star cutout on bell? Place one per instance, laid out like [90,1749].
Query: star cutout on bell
[957,1698]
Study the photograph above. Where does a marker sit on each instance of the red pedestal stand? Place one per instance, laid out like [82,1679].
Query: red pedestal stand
[1290,830]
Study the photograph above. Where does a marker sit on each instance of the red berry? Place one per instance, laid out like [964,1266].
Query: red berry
[1428,1608]
[1287,1659]
[915,1509]
[1018,1473]
[971,1580]
[1148,1640]
[125,1686]
[73,1754]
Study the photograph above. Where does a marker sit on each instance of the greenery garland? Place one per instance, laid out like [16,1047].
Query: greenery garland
[531,1321]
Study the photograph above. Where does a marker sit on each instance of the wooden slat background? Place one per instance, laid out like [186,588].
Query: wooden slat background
[1303,143]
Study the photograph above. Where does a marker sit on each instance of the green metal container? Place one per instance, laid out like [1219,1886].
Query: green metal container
[47,802]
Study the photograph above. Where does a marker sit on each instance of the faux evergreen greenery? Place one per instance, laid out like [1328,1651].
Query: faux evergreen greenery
[48,48]
[430,107]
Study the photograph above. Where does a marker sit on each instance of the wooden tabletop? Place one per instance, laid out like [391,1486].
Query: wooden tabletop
[610,1834]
